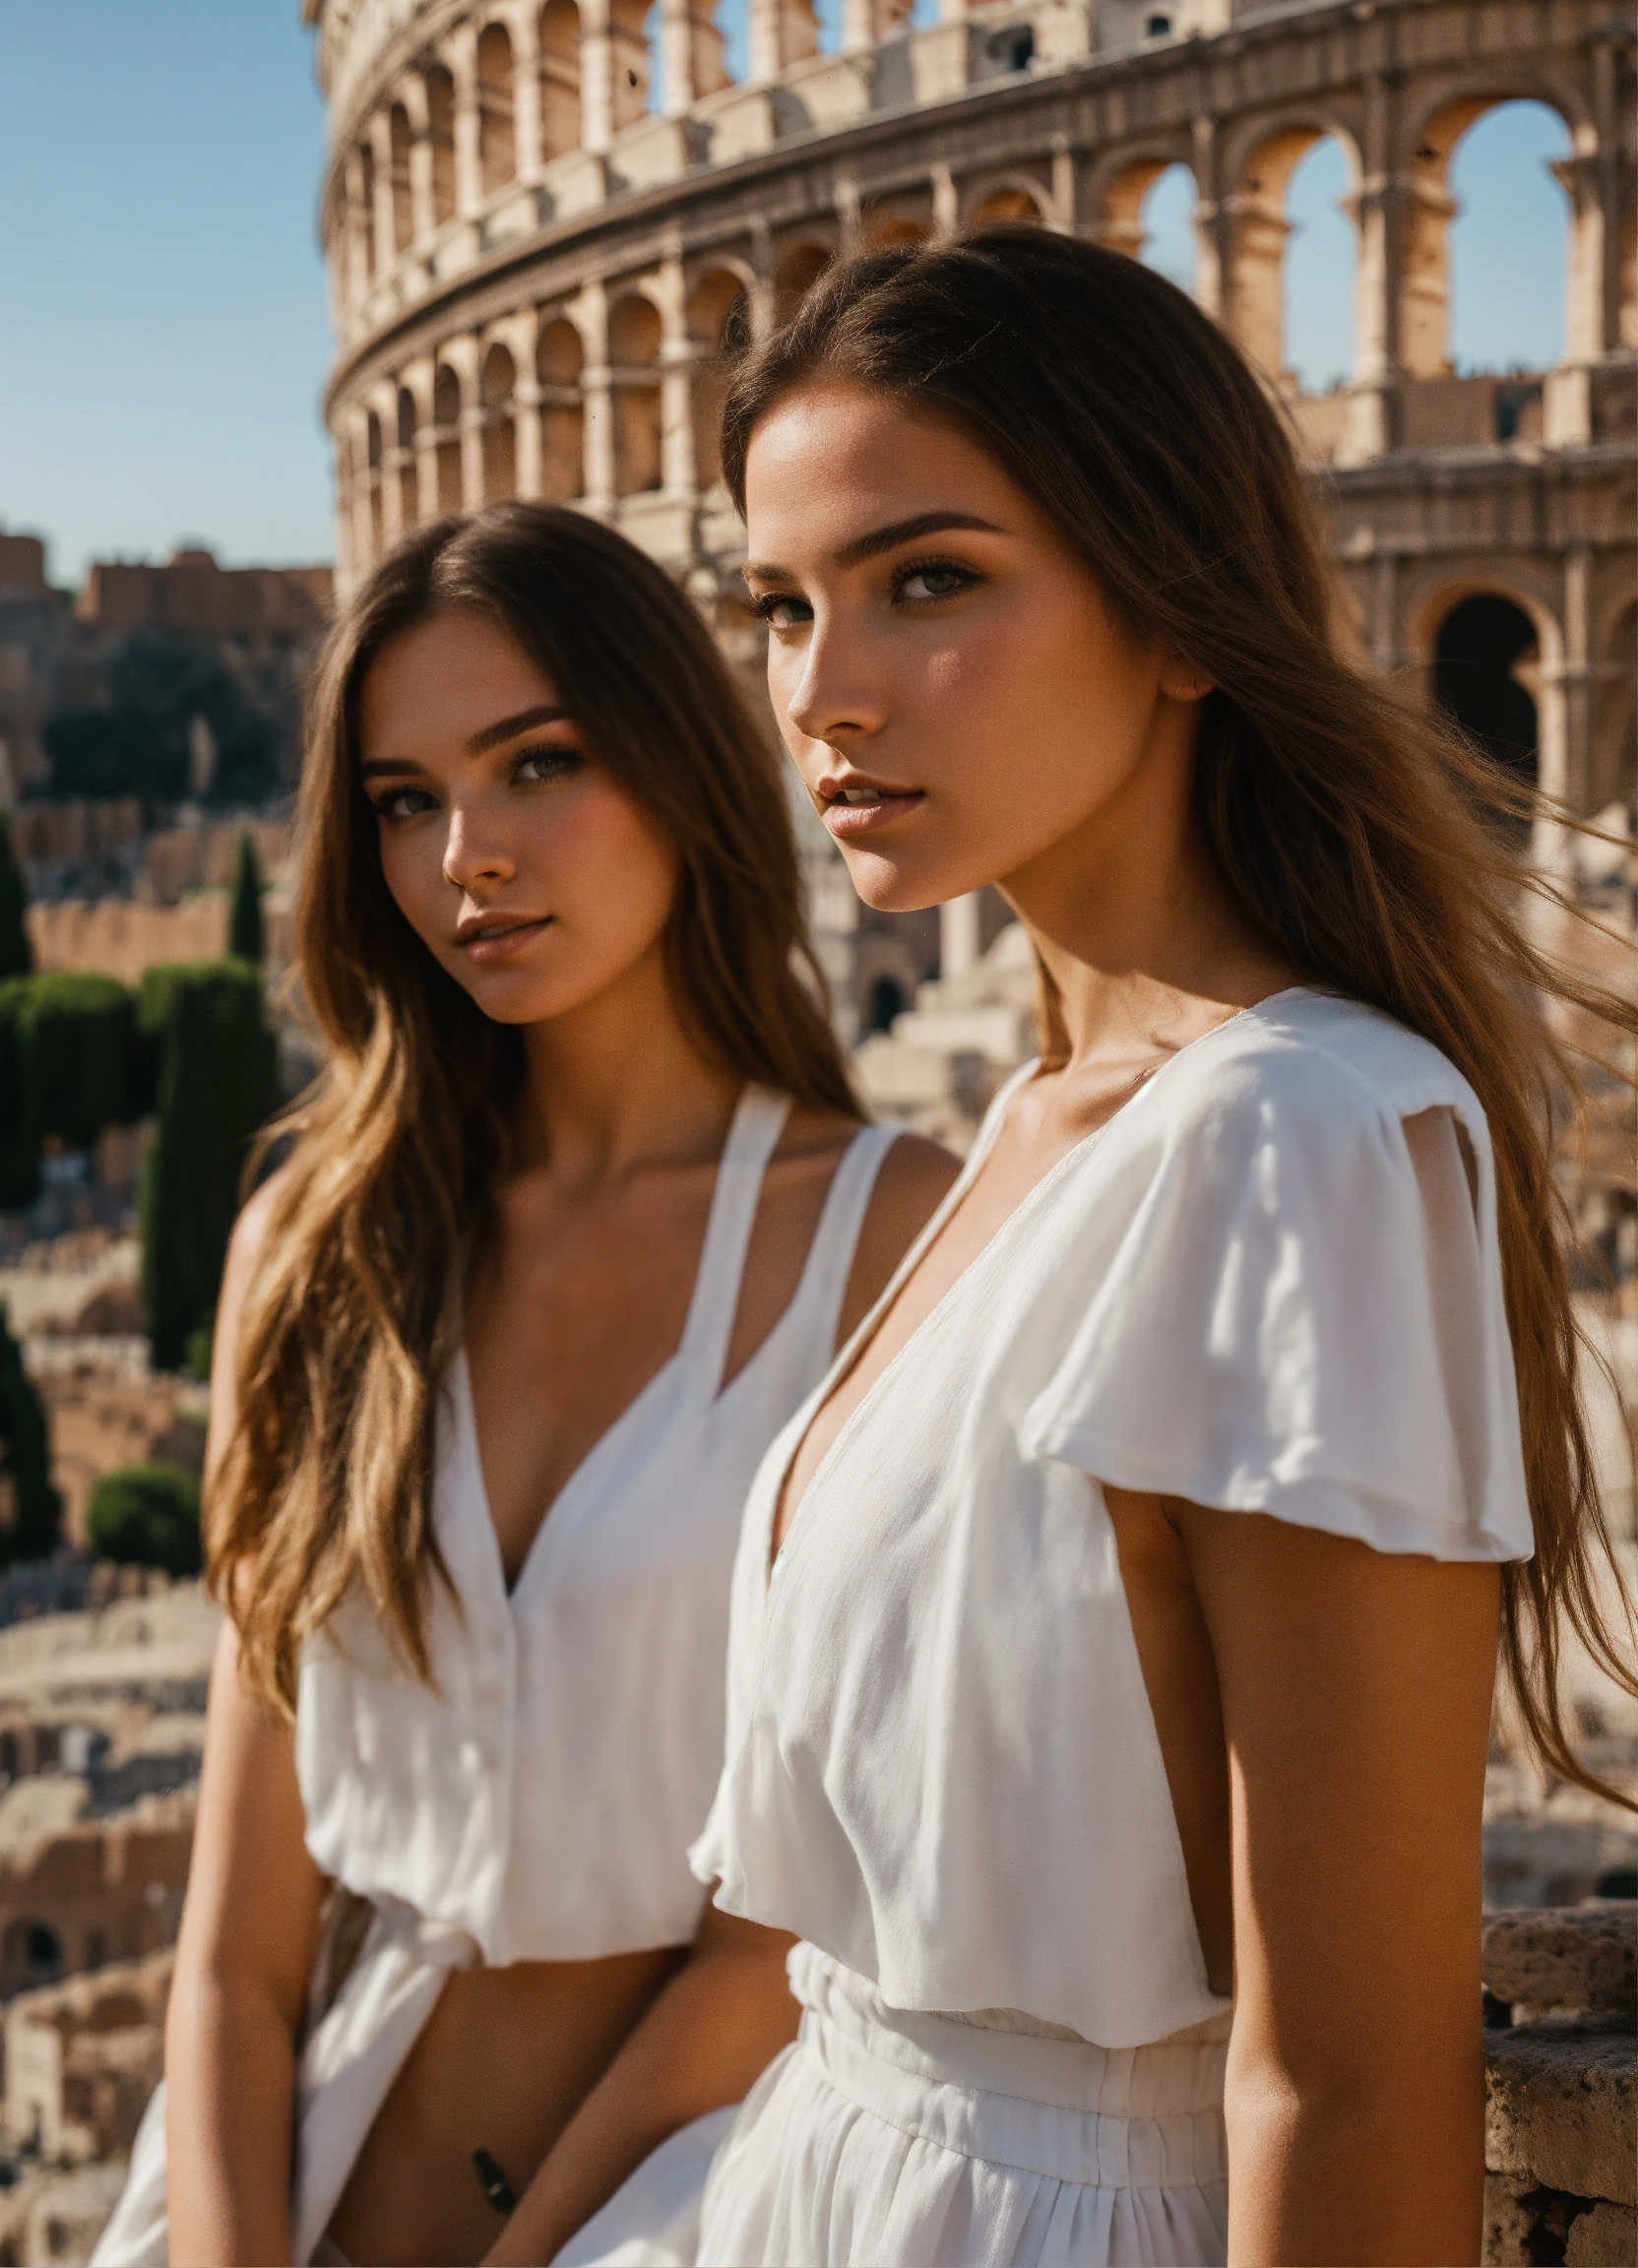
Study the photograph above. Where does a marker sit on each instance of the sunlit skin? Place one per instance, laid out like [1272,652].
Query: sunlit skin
[542,887]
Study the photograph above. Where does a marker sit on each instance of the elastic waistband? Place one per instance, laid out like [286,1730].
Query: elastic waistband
[997,2086]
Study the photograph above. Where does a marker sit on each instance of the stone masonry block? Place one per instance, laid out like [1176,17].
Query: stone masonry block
[1560,2100]
[1605,2237]
[1565,1957]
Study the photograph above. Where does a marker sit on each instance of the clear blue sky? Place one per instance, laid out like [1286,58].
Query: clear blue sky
[164,335]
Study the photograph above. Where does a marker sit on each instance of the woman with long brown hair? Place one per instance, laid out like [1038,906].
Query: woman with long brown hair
[565,1234]
[1114,1627]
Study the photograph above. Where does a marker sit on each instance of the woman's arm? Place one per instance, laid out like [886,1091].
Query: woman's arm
[248,1928]
[718,2024]
[1356,1690]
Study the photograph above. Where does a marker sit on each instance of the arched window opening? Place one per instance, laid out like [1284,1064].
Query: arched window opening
[446,416]
[717,309]
[403,226]
[885,1001]
[497,144]
[8,1756]
[440,134]
[1317,299]
[1484,665]
[372,458]
[1259,292]
[373,442]
[634,333]
[496,382]
[1508,242]
[558,360]
[1152,211]
[797,270]
[366,201]
[559,78]
[630,42]
[30,1953]
[893,229]
[408,501]
[1007,205]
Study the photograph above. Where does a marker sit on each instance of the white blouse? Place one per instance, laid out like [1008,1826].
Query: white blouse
[1255,1288]
[538,1797]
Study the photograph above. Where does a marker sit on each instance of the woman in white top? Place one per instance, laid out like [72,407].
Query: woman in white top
[566,1233]
[1114,1626]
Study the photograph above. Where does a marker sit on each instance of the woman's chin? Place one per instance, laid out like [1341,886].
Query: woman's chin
[892,885]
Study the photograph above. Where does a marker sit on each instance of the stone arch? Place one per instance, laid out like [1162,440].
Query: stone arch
[1124,201]
[440,136]
[797,269]
[366,205]
[408,495]
[497,140]
[1256,263]
[496,384]
[883,225]
[720,297]
[636,330]
[559,52]
[10,1759]
[399,140]
[1006,197]
[1440,123]
[1486,674]
[559,358]
[1536,667]
[446,424]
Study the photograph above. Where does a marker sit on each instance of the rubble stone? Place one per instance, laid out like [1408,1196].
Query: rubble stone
[1561,2100]
[1579,1957]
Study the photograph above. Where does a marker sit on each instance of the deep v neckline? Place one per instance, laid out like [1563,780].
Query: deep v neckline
[850,1356]
[754,1135]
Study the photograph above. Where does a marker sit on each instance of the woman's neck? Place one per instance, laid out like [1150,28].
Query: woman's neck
[616,1083]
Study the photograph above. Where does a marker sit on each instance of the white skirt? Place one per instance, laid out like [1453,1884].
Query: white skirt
[918,2141]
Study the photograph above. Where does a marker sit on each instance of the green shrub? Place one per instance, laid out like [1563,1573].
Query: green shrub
[146,1515]
[244,922]
[17,956]
[218,1082]
[33,1519]
[72,1061]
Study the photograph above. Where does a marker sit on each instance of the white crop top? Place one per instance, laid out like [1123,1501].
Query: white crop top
[541,1797]
[1251,1289]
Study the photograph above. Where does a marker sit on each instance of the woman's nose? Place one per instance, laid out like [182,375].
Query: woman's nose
[837,697]
[475,852]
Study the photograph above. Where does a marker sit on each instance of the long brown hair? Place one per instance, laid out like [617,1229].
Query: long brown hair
[1352,831]
[348,1324]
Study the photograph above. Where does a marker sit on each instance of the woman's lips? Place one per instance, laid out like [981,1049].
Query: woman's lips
[846,820]
[498,944]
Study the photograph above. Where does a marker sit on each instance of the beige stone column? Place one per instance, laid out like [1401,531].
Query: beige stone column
[946,201]
[678,472]
[847,211]
[418,377]
[692,48]
[381,150]
[959,933]
[1210,222]
[523,25]
[413,98]
[384,401]
[597,396]
[597,77]
[864,21]
[781,32]
[1377,209]
[460,54]
[355,426]
[358,226]
[1578,677]
[523,339]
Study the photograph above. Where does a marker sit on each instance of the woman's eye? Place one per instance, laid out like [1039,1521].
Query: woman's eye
[404,803]
[780,611]
[936,579]
[550,763]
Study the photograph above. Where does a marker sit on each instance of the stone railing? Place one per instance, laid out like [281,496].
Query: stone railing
[1562,2084]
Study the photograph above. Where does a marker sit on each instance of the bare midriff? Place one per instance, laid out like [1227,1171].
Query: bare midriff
[507,2058]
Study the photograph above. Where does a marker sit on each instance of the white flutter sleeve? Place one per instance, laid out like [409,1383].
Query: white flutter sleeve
[1305,1317]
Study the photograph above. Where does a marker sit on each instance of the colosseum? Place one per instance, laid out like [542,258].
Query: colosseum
[534,251]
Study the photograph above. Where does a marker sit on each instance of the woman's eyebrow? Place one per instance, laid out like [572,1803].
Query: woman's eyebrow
[880,539]
[508,729]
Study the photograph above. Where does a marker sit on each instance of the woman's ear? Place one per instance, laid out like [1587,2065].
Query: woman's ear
[1183,680]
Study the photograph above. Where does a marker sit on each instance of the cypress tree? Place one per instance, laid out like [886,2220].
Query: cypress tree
[17,956]
[218,1082]
[244,926]
[32,1507]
